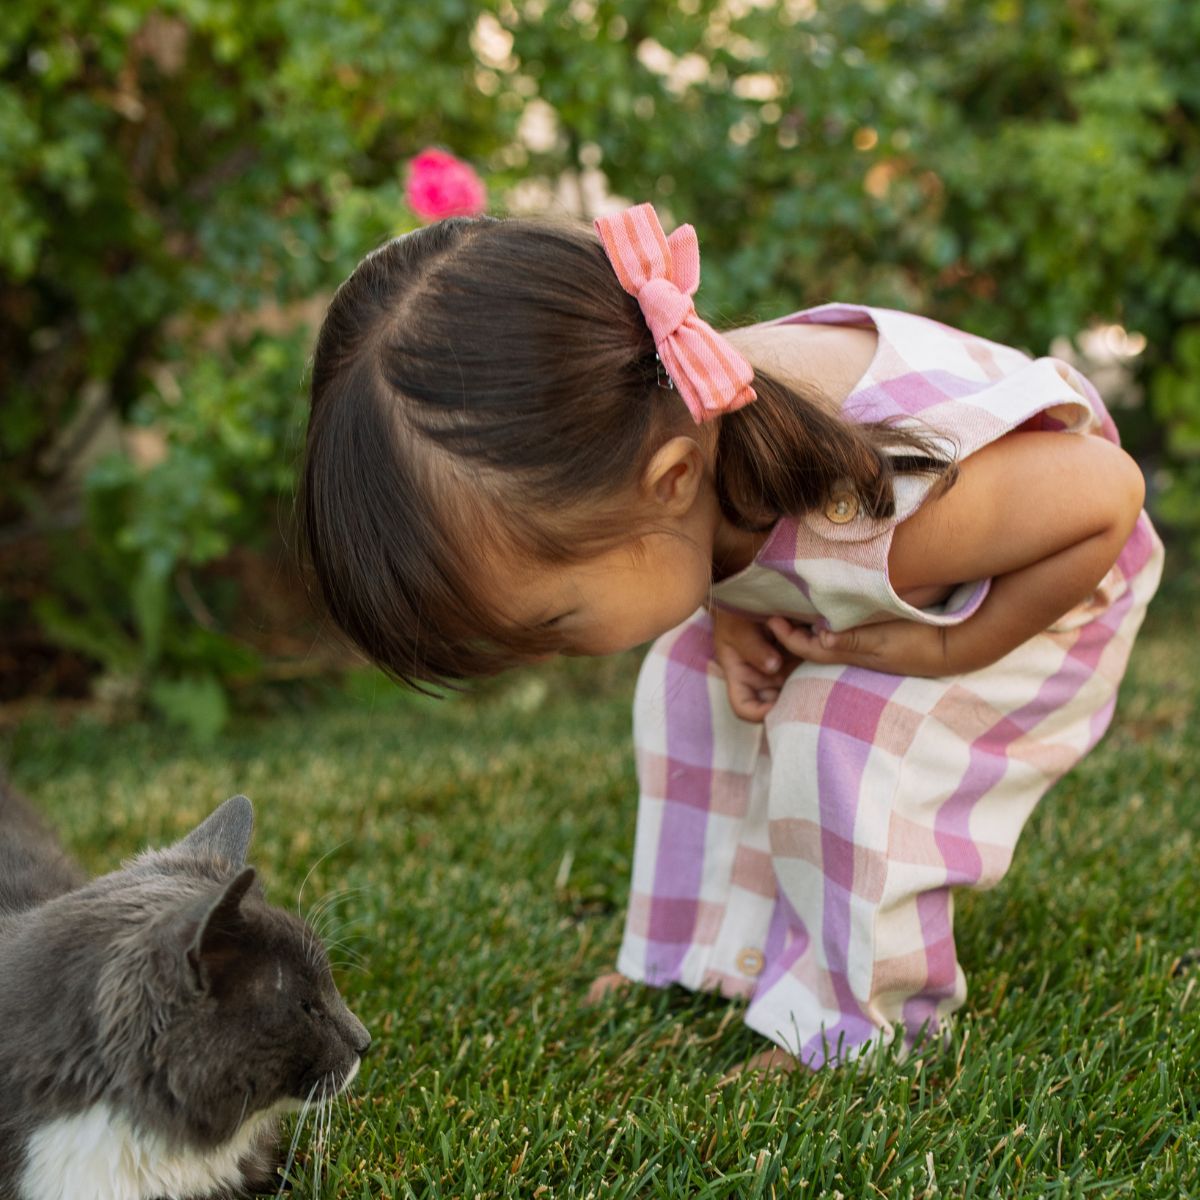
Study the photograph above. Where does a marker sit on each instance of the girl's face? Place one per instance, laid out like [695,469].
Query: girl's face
[617,599]
[647,583]
[622,597]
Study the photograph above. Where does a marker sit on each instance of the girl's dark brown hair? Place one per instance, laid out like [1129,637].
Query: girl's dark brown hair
[485,387]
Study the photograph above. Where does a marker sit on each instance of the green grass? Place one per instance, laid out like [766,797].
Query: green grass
[438,830]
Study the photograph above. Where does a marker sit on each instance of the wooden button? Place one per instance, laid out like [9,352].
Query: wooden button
[842,508]
[750,961]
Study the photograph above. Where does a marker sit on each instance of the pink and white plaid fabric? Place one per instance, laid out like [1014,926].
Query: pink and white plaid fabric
[807,863]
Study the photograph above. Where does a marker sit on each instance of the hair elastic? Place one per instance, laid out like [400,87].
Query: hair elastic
[663,273]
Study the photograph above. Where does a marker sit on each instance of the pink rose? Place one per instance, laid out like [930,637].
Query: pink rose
[440,185]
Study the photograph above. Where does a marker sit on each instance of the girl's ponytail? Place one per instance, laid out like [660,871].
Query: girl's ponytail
[788,454]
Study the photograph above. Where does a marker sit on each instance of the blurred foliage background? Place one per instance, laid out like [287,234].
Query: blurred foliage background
[183,183]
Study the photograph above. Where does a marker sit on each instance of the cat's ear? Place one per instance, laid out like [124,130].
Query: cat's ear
[224,834]
[218,937]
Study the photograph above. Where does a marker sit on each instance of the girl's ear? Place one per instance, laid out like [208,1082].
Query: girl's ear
[672,478]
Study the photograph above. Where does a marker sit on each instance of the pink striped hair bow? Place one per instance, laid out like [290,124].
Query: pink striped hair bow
[663,273]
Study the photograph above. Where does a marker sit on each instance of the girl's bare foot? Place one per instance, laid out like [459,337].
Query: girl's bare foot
[605,985]
[769,1060]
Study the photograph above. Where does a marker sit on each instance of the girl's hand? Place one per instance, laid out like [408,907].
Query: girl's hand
[893,647]
[753,666]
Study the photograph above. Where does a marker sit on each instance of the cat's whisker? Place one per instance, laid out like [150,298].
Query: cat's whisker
[314,923]
[342,967]
[342,928]
[291,1155]
[318,957]
[349,963]
[347,956]
[343,935]
[324,920]
[320,909]
[331,900]
[337,894]
[308,876]
[321,1133]
[314,1153]
[327,1138]
[337,929]
[313,942]
[345,946]
[345,965]
[328,922]
[346,1100]
[245,1104]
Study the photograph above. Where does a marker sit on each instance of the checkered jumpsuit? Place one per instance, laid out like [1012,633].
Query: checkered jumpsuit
[807,863]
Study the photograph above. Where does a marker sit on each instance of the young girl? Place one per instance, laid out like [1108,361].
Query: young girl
[894,572]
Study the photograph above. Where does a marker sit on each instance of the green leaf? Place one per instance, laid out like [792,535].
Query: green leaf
[196,703]
[95,635]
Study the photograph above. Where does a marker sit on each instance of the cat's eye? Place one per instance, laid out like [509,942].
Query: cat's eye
[312,1010]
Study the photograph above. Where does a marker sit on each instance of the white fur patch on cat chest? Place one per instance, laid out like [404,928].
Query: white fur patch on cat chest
[98,1154]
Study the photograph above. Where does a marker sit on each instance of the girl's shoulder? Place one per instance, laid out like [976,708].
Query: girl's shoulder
[838,350]
[825,359]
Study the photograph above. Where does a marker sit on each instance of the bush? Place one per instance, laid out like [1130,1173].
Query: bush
[1022,168]
[171,176]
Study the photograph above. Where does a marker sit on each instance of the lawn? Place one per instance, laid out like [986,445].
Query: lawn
[472,855]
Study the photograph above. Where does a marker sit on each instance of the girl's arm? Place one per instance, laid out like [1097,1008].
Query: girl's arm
[1044,514]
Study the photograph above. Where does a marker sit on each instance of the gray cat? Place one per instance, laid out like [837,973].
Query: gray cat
[155,1022]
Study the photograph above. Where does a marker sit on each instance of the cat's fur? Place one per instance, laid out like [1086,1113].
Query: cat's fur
[155,1022]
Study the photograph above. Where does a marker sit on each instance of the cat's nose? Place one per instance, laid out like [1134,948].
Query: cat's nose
[357,1035]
